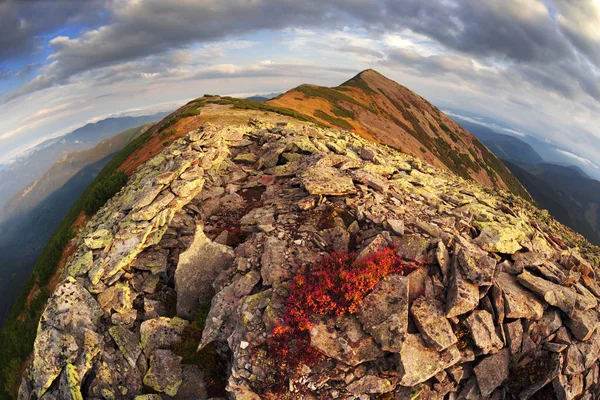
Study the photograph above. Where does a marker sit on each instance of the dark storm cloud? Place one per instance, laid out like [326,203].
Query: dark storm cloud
[515,32]
[22,22]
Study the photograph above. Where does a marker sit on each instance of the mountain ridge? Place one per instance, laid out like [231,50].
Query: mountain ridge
[381,110]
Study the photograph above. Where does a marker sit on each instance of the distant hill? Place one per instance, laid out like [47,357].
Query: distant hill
[26,169]
[570,196]
[505,147]
[63,170]
[263,98]
[383,111]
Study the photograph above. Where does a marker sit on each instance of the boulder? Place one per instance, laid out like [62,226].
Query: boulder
[128,342]
[435,329]
[417,362]
[518,302]
[117,298]
[343,339]
[160,333]
[476,265]
[52,351]
[327,181]
[492,371]
[556,295]
[483,332]
[274,267]
[198,267]
[462,296]
[371,384]
[583,324]
[165,373]
[384,312]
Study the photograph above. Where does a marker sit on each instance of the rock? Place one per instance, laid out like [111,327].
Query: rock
[443,259]
[71,309]
[540,330]
[100,239]
[343,339]
[492,371]
[513,332]
[128,342]
[69,384]
[165,373]
[116,298]
[556,295]
[568,388]
[573,360]
[397,226]
[128,243]
[476,265]
[462,296]
[327,181]
[52,350]
[417,362]
[274,268]
[377,244]
[481,325]
[435,329]
[496,237]
[532,374]
[384,312]
[518,302]
[416,283]
[193,386]
[371,384]
[160,333]
[582,324]
[150,211]
[413,247]
[376,182]
[80,264]
[246,158]
[198,267]
[590,350]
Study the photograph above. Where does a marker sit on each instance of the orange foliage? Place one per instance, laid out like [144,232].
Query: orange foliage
[333,287]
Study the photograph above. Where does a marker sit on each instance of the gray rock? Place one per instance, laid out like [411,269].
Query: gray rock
[327,181]
[483,332]
[435,329]
[376,182]
[344,340]
[532,374]
[160,333]
[52,350]
[165,373]
[477,266]
[462,296]
[518,302]
[153,261]
[273,263]
[568,387]
[413,247]
[384,312]
[556,295]
[193,386]
[492,371]
[582,324]
[397,226]
[71,309]
[128,342]
[198,267]
[417,362]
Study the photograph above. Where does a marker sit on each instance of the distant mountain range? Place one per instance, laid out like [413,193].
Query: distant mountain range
[29,218]
[27,168]
[567,192]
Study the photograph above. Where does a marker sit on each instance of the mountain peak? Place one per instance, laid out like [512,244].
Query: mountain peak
[383,111]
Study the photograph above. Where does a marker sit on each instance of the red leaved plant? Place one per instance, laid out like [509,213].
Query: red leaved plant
[335,286]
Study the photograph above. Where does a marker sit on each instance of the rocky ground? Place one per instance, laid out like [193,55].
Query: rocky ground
[503,307]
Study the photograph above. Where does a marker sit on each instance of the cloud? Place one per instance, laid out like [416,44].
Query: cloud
[582,160]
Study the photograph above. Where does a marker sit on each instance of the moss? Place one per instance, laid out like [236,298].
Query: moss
[422,150]
[339,122]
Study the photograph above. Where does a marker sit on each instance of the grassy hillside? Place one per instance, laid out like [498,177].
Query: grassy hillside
[18,334]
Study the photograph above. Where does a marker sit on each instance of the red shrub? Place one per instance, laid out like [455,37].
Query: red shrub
[335,286]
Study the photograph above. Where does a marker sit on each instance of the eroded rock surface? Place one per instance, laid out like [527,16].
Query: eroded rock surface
[503,306]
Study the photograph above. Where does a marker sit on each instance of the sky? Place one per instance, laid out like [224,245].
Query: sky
[533,64]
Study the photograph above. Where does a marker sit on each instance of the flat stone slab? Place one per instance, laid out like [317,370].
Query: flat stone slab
[435,328]
[161,332]
[344,340]
[165,373]
[197,269]
[384,312]
[483,332]
[518,301]
[462,296]
[417,362]
[492,371]
[556,295]
[327,181]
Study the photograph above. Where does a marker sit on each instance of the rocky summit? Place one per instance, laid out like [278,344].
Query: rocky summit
[221,271]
